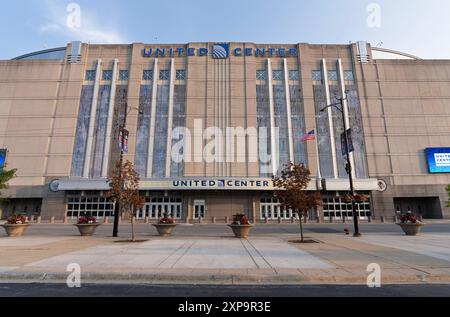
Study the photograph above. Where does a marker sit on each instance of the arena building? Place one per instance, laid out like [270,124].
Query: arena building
[210,123]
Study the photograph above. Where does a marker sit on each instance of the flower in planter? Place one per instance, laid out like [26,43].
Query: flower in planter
[166,220]
[16,220]
[241,219]
[86,220]
[409,218]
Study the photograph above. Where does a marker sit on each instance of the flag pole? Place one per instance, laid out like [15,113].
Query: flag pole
[319,176]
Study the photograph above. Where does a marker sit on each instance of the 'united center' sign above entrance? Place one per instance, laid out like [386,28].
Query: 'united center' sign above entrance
[213,184]
[219,51]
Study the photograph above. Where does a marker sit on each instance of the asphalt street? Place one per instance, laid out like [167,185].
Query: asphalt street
[149,290]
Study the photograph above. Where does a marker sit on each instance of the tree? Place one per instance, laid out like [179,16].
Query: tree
[5,177]
[124,185]
[448,191]
[290,190]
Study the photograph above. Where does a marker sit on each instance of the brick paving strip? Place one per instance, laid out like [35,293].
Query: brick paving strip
[259,260]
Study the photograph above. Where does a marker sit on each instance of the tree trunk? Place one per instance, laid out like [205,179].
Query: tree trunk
[301,226]
[132,224]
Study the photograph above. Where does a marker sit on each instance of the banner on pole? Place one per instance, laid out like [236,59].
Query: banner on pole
[123,140]
[349,142]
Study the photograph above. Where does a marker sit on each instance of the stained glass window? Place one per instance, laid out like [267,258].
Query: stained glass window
[181,74]
[316,75]
[277,75]
[147,75]
[294,75]
[164,75]
[107,75]
[261,75]
[90,75]
[124,75]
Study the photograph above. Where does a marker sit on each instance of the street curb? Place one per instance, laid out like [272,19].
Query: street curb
[168,278]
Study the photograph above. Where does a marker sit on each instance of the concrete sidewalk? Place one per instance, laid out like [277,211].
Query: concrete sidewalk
[227,260]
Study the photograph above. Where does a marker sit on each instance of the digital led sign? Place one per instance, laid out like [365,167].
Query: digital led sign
[438,159]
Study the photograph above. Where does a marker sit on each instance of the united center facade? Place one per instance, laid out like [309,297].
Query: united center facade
[210,123]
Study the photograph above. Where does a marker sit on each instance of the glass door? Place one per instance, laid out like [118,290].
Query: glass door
[199,209]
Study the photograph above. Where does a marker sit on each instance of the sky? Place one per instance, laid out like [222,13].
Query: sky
[418,27]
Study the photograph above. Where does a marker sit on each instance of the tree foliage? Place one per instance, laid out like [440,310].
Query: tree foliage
[448,191]
[5,177]
[124,190]
[291,190]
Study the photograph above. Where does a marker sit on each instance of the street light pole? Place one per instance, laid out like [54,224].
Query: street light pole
[348,165]
[122,129]
[350,176]
[122,144]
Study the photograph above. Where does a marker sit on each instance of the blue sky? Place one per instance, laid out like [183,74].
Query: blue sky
[418,27]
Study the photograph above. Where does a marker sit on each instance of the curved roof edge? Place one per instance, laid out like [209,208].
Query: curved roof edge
[44,54]
[393,52]
[59,53]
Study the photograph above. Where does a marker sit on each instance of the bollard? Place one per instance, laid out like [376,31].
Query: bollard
[213,219]
[39,219]
[227,219]
[266,220]
[66,220]
[106,220]
[394,219]
[52,219]
[200,220]
[279,219]
[292,219]
[343,219]
[331,219]
[147,219]
[305,219]
[369,219]
[318,220]
[382,219]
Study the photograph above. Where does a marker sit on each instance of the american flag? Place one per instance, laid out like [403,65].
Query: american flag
[310,136]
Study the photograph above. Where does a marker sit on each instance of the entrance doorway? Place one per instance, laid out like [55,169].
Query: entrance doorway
[270,208]
[199,209]
[427,207]
[158,206]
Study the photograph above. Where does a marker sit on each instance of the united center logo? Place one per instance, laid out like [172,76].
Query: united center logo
[221,50]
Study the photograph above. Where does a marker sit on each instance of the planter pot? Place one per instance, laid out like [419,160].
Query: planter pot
[165,230]
[241,231]
[411,229]
[15,230]
[87,229]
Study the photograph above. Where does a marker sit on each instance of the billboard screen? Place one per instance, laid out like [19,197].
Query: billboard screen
[438,159]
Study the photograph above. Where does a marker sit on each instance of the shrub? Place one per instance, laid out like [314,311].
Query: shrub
[86,220]
[166,220]
[409,218]
[240,219]
[17,220]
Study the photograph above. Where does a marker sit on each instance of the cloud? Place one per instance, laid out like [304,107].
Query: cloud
[75,22]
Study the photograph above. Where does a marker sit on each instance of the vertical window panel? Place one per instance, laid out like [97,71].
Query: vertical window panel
[143,129]
[100,131]
[160,145]
[84,115]
[323,132]
[263,119]
[179,120]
